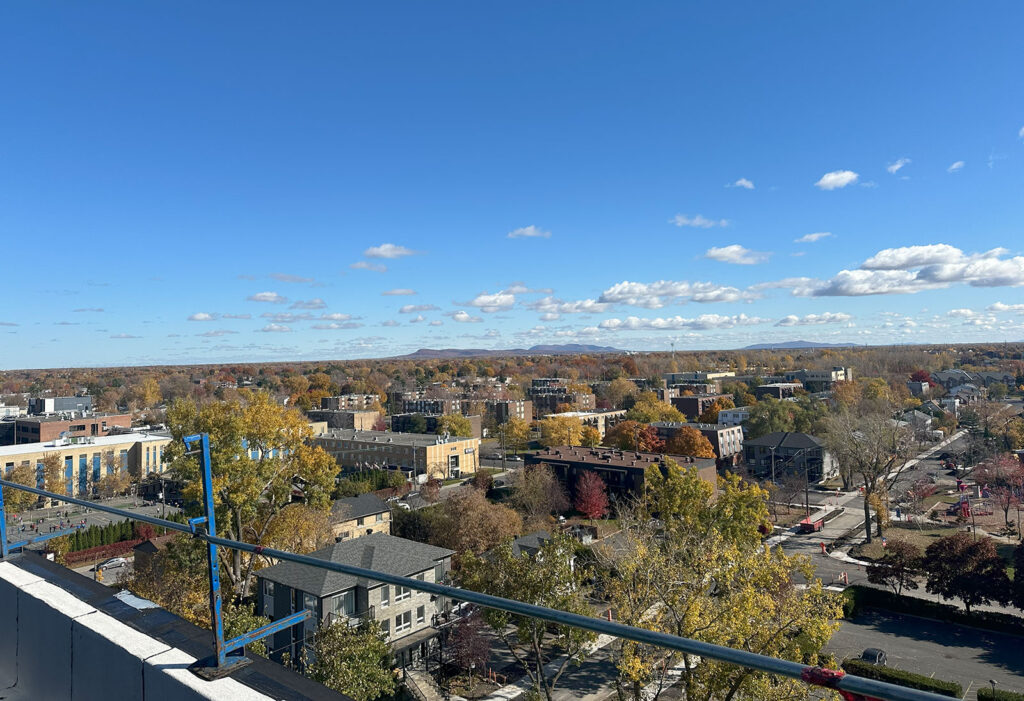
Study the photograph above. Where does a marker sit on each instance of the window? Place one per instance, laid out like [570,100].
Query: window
[268,598]
[385,596]
[385,627]
[344,605]
[402,593]
[361,521]
[403,622]
[380,518]
[309,603]
[419,614]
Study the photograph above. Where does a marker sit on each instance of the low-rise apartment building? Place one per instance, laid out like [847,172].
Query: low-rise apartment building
[820,380]
[504,409]
[789,452]
[40,429]
[726,440]
[360,419]
[86,460]
[416,453]
[601,420]
[349,402]
[623,471]
[693,405]
[429,423]
[777,390]
[407,617]
[362,515]
[734,416]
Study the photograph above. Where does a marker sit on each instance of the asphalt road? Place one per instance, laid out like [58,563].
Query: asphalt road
[940,650]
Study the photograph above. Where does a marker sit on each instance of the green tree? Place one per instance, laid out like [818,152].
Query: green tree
[16,500]
[960,567]
[417,423]
[353,660]
[455,425]
[240,619]
[648,409]
[552,579]
[259,454]
[897,567]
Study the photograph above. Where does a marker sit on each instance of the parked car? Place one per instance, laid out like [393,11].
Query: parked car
[112,563]
[493,456]
[874,656]
[514,458]
[403,505]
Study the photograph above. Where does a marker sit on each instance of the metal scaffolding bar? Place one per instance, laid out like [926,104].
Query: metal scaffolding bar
[848,683]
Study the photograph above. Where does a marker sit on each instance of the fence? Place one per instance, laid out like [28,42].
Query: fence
[221,663]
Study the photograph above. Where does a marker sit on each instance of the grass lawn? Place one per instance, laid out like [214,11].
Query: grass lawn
[921,537]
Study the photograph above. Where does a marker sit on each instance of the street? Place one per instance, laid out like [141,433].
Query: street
[942,650]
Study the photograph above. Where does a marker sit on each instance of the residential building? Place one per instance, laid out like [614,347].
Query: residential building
[953,378]
[967,393]
[550,394]
[919,389]
[623,472]
[8,411]
[406,616]
[601,420]
[146,552]
[735,416]
[726,440]
[88,459]
[415,453]
[788,452]
[40,429]
[777,390]
[530,544]
[820,380]
[349,402]
[696,388]
[436,405]
[679,378]
[406,423]
[51,405]
[361,419]
[504,409]
[693,405]
[362,515]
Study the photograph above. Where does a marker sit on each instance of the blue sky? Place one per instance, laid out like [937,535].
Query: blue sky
[204,182]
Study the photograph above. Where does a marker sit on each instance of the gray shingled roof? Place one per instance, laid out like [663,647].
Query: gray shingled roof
[356,507]
[786,439]
[377,551]
[531,543]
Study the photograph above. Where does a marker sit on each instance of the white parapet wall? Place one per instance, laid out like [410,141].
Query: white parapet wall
[56,647]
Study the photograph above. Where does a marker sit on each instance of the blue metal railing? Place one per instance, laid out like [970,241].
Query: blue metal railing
[221,663]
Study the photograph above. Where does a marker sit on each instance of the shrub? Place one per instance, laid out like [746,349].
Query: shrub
[901,677]
[986,694]
[857,598]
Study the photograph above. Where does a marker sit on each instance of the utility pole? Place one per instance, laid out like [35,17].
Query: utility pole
[502,447]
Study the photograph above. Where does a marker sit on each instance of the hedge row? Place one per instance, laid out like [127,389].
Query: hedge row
[857,598]
[902,678]
[102,552]
[986,694]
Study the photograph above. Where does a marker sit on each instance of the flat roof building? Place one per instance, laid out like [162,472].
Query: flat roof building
[39,429]
[417,453]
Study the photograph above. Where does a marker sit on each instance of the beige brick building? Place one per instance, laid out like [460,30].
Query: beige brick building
[416,453]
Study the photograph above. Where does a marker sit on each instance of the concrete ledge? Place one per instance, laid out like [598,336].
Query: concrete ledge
[11,580]
[102,644]
[166,676]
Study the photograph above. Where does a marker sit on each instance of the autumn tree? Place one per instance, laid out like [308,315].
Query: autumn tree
[657,578]
[516,434]
[633,435]
[468,522]
[619,391]
[54,479]
[537,493]
[259,452]
[299,528]
[455,425]
[691,442]
[648,408]
[353,660]
[591,495]
[870,448]
[551,579]
[560,430]
[471,647]
[431,490]
[1003,478]
[16,500]
[897,567]
[960,567]
[590,437]
[710,415]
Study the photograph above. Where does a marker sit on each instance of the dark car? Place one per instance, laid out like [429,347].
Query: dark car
[874,656]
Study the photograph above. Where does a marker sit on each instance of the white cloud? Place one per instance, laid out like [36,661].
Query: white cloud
[553,305]
[388,250]
[286,317]
[913,256]
[1000,307]
[436,322]
[1020,134]
[811,238]
[655,295]
[744,183]
[702,322]
[414,308]
[529,232]
[335,316]
[550,316]
[275,328]
[836,179]
[366,265]
[271,297]
[463,317]
[390,322]
[216,333]
[737,254]
[398,292]
[285,277]
[955,167]
[856,283]
[500,301]
[896,165]
[699,221]
[315,303]
[334,326]
[814,319]
[236,316]
[961,313]
[202,316]
[785,283]
[418,319]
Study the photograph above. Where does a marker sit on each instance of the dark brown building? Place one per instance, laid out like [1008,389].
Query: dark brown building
[692,406]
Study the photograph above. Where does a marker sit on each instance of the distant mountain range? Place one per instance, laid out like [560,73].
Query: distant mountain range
[564,349]
[796,345]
